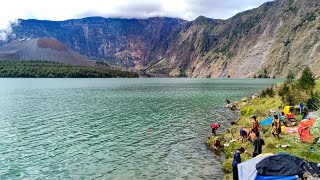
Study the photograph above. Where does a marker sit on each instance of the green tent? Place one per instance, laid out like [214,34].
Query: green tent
[315,129]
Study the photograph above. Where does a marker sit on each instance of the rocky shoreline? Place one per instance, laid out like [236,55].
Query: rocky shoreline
[228,132]
[233,111]
[237,105]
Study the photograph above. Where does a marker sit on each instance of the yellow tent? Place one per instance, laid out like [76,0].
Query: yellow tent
[286,110]
[265,154]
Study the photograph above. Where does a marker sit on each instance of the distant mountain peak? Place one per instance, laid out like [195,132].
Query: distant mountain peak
[46,49]
[51,43]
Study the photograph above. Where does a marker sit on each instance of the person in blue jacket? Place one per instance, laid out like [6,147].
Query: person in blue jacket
[301,108]
[236,161]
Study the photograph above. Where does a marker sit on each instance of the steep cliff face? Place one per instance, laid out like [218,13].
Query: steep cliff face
[275,39]
[297,38]
[123,42]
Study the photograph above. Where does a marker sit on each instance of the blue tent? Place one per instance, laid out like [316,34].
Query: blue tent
[259,177]
[269,120]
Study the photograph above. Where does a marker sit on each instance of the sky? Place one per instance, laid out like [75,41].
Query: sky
[58,10]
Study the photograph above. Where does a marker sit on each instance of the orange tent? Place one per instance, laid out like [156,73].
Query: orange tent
[307,122]
[304,130]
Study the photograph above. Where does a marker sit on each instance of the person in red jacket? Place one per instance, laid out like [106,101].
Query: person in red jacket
[214,128]
[255,124]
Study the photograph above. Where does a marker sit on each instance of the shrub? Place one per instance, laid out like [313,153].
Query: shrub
[293,92]
[314,102]
[246,111]
[263,94]
[306,81]
[290,77]
[284,90]
[227,166]
[267,92]
[290,100]
[270,92]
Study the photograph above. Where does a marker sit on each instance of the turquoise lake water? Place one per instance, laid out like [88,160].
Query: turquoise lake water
[114,128]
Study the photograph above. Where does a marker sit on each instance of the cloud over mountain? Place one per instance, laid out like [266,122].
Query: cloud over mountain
[62,10]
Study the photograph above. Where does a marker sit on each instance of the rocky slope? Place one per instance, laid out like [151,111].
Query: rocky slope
[48,49]
[273,40]
[123,42]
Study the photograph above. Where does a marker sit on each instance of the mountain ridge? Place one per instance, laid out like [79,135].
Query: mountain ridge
[275,39]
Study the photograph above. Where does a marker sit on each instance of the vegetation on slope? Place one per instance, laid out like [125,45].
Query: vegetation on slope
[44,69]
[290,92]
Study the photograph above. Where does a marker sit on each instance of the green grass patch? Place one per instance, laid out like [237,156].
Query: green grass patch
[246,111]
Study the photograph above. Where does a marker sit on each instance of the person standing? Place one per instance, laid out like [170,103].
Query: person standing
[252,136]
[255,124]
[301,105]
[214,128]
[257,145]
[276,127]
[236,161]
[305,113]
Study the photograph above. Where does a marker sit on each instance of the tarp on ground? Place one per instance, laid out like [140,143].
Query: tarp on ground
[259,177]
[266,121]
[280,117]
[247,169]
[285,165]
[290,130]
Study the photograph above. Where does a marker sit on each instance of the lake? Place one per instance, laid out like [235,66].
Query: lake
[147,128]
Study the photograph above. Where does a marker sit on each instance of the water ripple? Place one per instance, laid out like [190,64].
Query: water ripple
[113,128]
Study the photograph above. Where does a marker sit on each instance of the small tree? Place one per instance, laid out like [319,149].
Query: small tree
[314,101]
[306,80]
[270,92]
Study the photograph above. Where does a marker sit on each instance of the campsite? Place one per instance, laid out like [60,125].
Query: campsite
[299,136]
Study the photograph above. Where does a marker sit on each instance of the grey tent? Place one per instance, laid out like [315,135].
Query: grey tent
[247,169]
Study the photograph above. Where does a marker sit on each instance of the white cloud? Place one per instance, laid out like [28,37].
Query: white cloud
[70,9]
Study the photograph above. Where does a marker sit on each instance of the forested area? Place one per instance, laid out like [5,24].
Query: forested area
[44,69]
